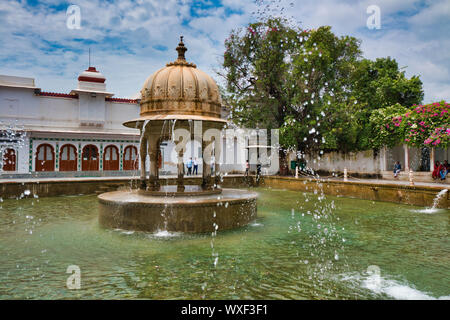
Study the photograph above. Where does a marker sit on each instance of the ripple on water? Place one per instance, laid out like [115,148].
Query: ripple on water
[379,285]
[166,234]
[430,210]
[278,260]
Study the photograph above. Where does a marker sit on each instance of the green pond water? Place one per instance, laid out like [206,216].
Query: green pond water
[302,246]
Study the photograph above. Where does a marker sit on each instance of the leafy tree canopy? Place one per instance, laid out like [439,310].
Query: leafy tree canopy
[311,84]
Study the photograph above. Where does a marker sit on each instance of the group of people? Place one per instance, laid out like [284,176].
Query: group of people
[440,170]
[192,166]
[258,169]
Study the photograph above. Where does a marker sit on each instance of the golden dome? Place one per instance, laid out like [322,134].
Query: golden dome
[179,91]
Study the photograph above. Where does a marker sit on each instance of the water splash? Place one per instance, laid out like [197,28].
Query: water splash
[165,234]
[380,285]
[12,136]
[434,208]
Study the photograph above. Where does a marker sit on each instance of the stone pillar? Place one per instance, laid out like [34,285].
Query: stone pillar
[57,159]
[384,158]
[143,155]
[217,155]
[153,148]
[405,147]
[206,181]
[432,158]
[100,157]
[180,169]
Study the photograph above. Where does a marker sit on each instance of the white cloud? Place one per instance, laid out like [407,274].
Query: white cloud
[127,36]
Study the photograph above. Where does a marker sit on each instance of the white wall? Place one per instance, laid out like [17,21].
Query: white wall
[24,107]
[361,162]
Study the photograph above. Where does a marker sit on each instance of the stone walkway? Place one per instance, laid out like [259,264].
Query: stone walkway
[124,178]
[372,181]
[438,183]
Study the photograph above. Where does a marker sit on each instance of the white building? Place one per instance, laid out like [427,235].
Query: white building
[81,133]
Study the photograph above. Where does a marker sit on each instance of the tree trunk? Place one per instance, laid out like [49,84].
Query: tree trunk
[284,169]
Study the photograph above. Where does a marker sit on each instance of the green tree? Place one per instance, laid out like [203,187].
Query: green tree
[312,85]
[289,78]
[388,129]
[378,85]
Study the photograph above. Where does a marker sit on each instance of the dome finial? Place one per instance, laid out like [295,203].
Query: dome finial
[181,50]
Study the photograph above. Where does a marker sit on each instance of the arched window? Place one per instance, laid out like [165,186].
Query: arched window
[68,158]
[111,158]
[89,160]
[130,158]
[9,160]
[45,158]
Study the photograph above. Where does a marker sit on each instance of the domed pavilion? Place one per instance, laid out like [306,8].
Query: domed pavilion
[171,98]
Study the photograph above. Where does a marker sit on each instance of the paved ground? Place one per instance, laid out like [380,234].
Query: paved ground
[125,178]
[377,181]
[397,182]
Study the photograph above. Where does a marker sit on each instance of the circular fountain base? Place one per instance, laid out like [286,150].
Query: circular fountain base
[195,213]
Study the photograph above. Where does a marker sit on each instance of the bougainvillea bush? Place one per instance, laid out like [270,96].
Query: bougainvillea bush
[421,125]
[428,125]
[387,126]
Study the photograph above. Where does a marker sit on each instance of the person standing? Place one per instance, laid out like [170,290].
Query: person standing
[247,168]
[397,168]
[195,166]
[189,166]
[213,165]
[258,171]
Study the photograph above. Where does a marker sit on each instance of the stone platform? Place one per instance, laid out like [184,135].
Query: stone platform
[142,211]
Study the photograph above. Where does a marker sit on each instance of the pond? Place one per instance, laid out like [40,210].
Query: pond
[301,246]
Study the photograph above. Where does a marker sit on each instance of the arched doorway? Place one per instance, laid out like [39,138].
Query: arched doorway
[111,158]
[130,158]
[68,158]
[45,158]
[89,158]
[9,160]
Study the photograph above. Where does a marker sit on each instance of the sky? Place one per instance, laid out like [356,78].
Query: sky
[131,39]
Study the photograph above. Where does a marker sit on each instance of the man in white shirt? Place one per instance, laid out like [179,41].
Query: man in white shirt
[195,171]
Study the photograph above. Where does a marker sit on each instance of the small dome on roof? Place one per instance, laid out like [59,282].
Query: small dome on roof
[92,75]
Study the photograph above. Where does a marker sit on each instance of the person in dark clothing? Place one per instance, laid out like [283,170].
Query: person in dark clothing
[195,171]
[397,168]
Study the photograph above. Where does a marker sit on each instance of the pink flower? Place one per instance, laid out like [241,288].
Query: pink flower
[436,142]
